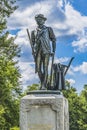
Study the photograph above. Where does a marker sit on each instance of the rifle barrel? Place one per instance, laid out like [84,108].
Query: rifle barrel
[69,65]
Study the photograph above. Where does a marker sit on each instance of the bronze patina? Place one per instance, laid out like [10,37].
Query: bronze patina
[43,44]
[40,40]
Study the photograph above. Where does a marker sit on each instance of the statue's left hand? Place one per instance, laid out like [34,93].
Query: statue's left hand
[52,53]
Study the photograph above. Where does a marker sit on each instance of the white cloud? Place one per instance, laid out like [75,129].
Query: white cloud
[23,41]
[28,75]
[77,23]
[25,18]
[75,20]
[70,71]
[61,60]
[64,22]
[73,24]
[60,3]
[82,68]
[81,43]
[71,81]
[22,37]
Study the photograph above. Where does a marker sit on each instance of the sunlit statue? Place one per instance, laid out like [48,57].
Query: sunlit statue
[40,39]
[43,44]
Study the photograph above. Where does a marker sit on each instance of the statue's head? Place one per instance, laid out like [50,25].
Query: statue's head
[40,19]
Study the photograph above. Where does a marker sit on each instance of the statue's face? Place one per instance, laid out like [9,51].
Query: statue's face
[40,21]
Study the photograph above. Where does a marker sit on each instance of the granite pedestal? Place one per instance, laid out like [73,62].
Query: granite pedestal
[44,111]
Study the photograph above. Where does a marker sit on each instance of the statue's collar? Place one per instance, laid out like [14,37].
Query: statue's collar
[41,28]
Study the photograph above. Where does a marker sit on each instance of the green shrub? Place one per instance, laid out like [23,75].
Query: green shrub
[15,128]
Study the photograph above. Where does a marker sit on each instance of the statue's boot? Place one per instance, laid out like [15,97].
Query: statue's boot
[43,86]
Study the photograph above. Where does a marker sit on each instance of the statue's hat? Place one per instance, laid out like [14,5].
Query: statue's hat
[40,16]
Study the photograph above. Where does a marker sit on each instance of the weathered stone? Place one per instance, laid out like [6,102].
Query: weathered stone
[44,112]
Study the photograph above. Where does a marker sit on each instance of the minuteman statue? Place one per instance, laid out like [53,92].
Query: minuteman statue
[41,39]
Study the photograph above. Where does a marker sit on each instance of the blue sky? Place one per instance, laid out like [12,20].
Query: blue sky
[68,18]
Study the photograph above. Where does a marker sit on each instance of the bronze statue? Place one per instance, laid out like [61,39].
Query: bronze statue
[40,39]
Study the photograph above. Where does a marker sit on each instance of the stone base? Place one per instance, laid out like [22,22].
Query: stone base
[44,112]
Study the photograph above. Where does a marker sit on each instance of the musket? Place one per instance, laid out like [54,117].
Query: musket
[51,69]
[68,65]
[31,44]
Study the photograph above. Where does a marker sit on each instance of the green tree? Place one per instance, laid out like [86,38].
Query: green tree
[32,87]
[83,109]
[77,107]
[6,8]
[74,106]
[10,91]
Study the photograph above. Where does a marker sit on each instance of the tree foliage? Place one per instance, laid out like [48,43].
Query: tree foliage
[6,8]
[9,72]
[32,87]
[77,108]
